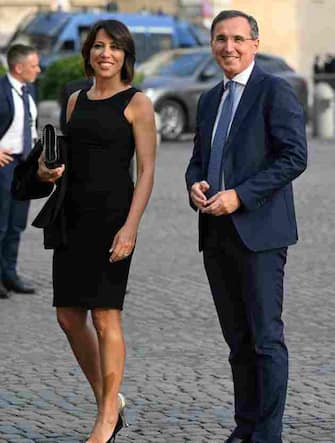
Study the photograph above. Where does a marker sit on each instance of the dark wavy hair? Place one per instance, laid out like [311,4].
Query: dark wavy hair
[122,39]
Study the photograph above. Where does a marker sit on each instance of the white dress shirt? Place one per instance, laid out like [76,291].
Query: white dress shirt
[241,80]
[13,138]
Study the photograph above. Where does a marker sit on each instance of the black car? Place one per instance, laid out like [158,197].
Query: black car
[175,79]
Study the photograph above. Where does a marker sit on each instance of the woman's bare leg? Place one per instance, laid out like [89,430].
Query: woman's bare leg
[84,343]
[112,357]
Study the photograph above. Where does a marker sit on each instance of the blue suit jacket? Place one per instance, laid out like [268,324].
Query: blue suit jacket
[266,149]
[6,118]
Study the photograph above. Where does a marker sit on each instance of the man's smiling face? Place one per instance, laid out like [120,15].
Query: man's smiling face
[233,46]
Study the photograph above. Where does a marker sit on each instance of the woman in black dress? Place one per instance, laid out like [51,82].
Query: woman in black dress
[107,123]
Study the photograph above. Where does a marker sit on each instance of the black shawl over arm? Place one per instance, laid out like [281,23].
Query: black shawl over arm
[26,186]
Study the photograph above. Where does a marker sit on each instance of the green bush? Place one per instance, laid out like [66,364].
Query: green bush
[62,71]
[138,78]
[58,74]
[2,70]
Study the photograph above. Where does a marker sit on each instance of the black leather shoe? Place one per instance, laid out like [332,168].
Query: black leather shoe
[17,285]
[3,291]
[233,439]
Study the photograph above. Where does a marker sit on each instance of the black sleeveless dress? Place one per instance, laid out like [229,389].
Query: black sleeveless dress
[97,203]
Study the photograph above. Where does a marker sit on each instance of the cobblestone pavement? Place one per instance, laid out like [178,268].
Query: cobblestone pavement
[177,379]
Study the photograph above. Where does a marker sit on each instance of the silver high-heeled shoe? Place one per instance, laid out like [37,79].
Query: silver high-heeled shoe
[122,410]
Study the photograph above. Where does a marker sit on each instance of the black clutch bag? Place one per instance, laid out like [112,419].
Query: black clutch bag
[25,183]
[51,147]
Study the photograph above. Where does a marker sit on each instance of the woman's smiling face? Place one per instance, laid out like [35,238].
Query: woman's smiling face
[106,58]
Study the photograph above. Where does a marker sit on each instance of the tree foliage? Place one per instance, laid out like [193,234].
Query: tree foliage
[62,71]
[2,70]
[57,74]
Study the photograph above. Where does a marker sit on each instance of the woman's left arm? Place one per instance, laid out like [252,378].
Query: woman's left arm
[140,114]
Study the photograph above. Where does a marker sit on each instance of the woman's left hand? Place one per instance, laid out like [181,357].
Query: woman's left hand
[123,244]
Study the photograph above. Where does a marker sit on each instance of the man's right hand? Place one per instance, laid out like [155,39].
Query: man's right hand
[198,196]
[48,175]
[5,157]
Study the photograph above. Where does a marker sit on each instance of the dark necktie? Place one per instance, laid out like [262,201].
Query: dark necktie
[215,166]
[26,122]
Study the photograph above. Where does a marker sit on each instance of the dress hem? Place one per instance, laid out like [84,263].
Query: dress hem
[86,306]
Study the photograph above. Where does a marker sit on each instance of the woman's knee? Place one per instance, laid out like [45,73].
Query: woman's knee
[107,322]
[71,319]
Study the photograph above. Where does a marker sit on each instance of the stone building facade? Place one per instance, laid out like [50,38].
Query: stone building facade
[297,30]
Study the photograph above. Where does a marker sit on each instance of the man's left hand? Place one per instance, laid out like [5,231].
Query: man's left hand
[222,203]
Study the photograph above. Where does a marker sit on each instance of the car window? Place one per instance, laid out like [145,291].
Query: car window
[201,34]
[47,24]
[272,65]
[140,46]
[41,31]
[214,68]
[154,43]
[43,43]
[185,38]
[179,65]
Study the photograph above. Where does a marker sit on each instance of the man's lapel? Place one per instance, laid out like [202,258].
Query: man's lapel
[250,94]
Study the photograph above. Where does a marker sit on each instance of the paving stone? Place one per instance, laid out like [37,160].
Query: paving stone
[177,378]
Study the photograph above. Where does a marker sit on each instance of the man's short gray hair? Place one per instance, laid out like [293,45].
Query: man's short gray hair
[225,15]
[17,53]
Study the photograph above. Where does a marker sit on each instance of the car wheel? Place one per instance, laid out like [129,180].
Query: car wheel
[172,119]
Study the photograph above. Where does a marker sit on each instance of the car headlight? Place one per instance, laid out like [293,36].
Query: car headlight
[151,93]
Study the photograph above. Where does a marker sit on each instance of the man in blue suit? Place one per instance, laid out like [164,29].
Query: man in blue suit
[18,115]
[249,146]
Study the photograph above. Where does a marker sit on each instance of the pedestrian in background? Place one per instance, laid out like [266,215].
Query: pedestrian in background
[250,144]
[106,123]
[18,115]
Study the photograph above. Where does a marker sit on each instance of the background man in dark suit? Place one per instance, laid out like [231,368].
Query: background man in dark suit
[18,115]
[249,145]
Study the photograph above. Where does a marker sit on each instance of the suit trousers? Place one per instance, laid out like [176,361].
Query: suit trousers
[247,288]
[13,220]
